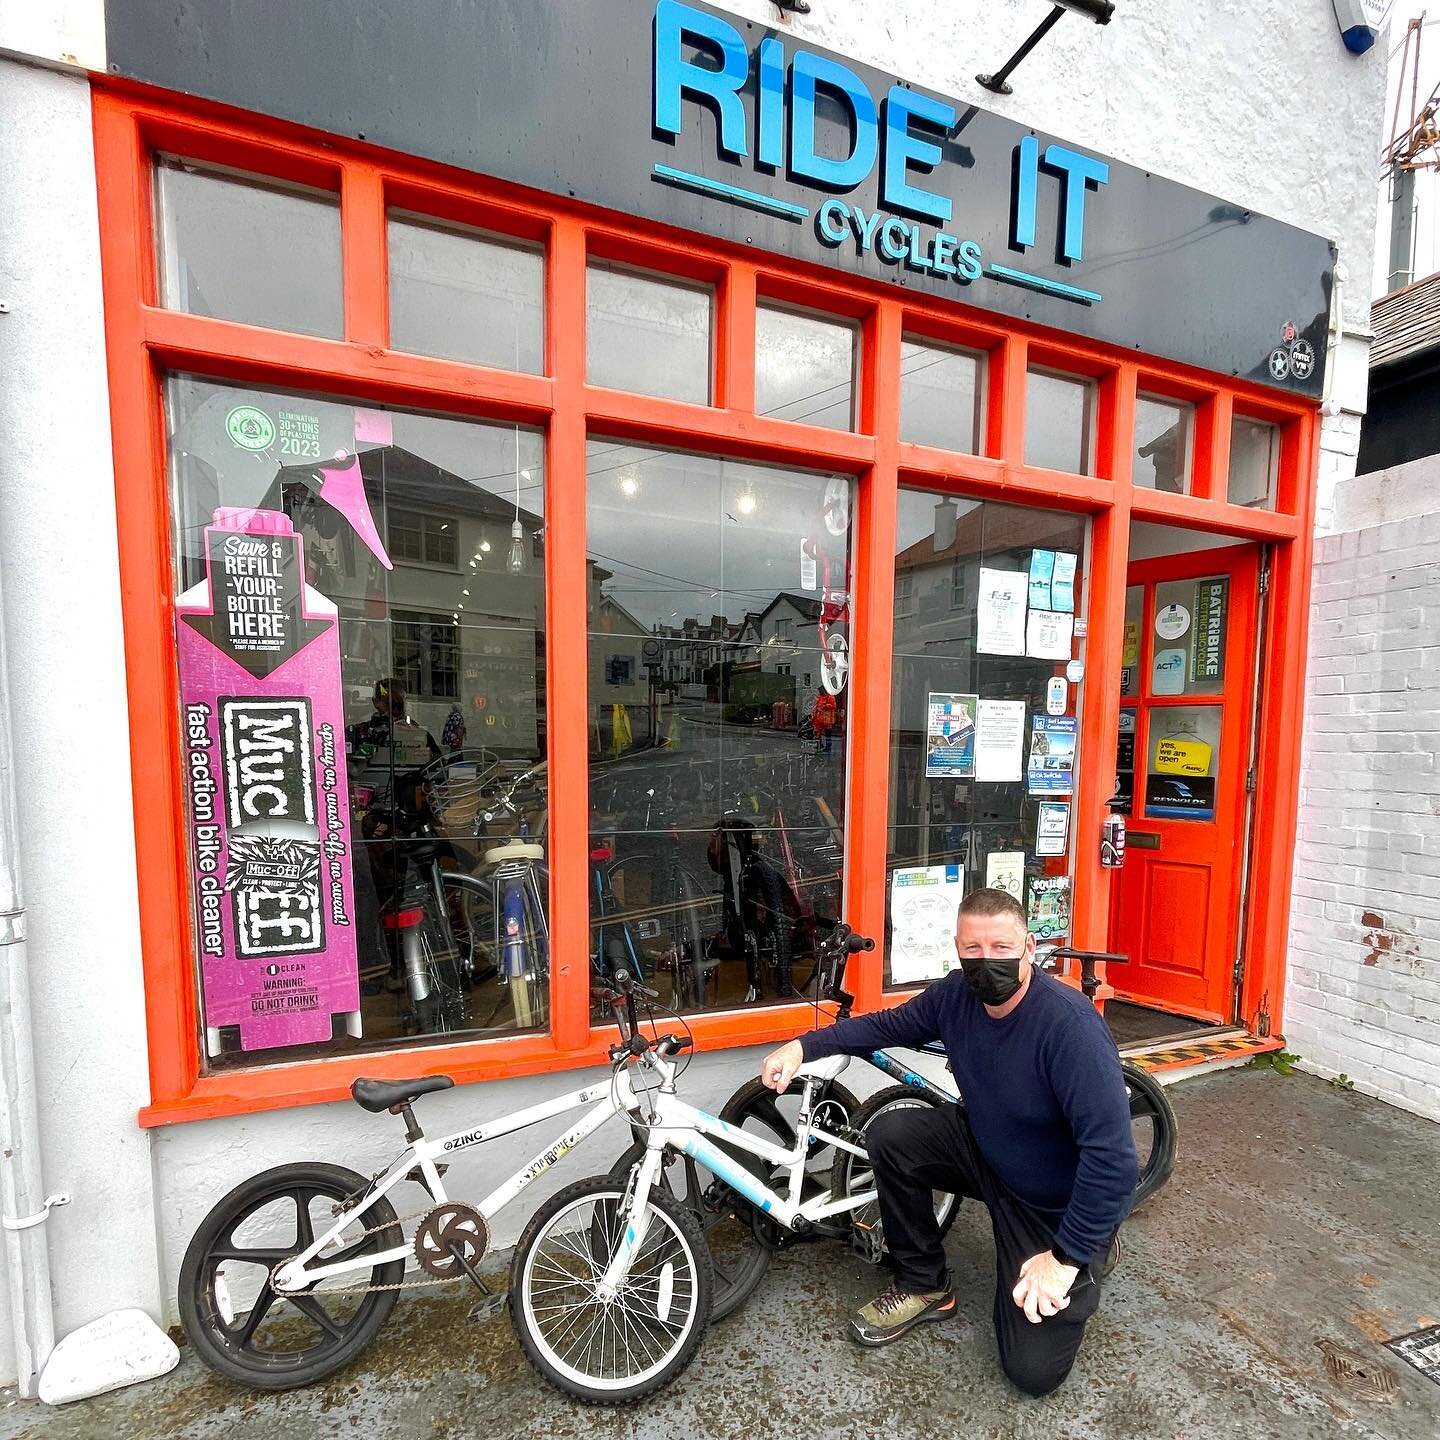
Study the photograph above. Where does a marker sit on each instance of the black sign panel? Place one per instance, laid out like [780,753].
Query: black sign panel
[782,148]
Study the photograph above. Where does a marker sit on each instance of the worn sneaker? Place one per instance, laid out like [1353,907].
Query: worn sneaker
[894,1311]
[1112,1257]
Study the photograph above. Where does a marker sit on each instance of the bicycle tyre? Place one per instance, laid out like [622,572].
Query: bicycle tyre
[688,934]
[850,1173]
[1148,1101]
[201,1312]
[769,916]
[686,1236]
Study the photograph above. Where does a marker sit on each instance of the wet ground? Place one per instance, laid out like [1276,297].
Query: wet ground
[1297,1214]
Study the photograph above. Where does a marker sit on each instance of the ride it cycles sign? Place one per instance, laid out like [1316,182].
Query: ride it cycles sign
[263,729]
[746,135]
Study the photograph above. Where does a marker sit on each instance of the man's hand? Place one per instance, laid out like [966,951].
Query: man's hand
[1044,1285]
[778,1068]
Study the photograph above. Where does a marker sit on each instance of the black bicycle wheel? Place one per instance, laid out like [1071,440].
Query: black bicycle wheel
[851,1174]
[686,941]
[765,904]
[1152,1122]
[240,1327]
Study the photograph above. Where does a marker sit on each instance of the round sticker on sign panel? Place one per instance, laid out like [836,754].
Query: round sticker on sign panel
[1172,622]
[250,428]
[1302,359]
[1075,671]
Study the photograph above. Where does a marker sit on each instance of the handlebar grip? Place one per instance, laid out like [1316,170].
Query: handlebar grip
[854,944]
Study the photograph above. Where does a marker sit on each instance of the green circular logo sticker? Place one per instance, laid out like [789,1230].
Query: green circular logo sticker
[250,428]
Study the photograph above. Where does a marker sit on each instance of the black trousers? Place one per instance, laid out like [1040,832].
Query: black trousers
[920,1149]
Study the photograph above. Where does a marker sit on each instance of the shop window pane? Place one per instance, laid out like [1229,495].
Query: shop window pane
[804,368]
[1254,462]
[1162,445]
[719,700]
[1059,423]
[463,296]
[1182,761]
[941,397]
[647,335]
[238,247]
[1130,649]
[1189,630]
[384,736]
[981,776]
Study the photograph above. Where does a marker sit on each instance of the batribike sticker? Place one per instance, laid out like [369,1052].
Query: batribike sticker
[269,814]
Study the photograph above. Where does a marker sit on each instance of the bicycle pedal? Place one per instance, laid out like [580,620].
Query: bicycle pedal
[487,1308]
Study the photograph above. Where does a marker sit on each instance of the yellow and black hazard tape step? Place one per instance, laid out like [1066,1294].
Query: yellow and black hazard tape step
[1202,1052]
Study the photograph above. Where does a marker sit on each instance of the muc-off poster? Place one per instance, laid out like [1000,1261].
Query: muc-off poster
[263,731]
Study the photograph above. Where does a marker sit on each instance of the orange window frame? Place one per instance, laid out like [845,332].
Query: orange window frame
[144,342]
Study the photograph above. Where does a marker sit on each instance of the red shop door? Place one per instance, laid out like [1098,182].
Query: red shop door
[1186,705]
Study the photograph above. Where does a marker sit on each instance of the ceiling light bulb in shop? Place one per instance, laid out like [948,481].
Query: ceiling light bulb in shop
[484,547]
[629,485]
[517,548]
[746,504]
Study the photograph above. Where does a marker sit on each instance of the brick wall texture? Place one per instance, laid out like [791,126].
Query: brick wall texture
[1363,988]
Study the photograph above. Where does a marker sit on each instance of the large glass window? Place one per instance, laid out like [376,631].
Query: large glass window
[238,247]
[1059,422]
[804,367]
[941,396]
[647,335]
[719,699]
[461,295]
[982,724]
[367,810]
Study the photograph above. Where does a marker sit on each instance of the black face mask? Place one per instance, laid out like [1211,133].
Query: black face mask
[993,981]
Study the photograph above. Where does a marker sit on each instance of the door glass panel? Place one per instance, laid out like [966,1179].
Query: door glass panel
[1191,619]
[719,699]
[1182,761]
[1123,800]
[981,777]
[1130,649]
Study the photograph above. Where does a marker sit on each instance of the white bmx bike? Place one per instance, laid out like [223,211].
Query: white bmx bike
[611,1283]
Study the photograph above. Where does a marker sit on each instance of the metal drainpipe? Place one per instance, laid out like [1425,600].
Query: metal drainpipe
[23,1207]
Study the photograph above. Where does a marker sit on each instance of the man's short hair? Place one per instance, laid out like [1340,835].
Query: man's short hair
[984,903]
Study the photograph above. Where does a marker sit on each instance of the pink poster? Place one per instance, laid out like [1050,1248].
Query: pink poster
[264,736]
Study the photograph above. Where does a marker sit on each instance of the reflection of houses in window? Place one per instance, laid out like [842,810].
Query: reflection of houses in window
[427,654]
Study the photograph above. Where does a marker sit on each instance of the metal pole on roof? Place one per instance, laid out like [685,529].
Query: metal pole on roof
[23,1206]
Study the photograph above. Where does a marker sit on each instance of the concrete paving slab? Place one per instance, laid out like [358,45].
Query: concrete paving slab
[1297,1213]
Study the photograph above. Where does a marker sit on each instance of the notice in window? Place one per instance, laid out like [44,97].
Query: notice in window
[1042,571]
[1052,827]
[1052,755]
[1048,913]
[1062,583]
[924,905]
[1000,621]
[1048,634]
[950,736]
[1005,870]
[999,739]
[268,792]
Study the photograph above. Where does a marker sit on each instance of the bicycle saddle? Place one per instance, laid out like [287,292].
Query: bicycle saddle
[514,850]
[378,1095]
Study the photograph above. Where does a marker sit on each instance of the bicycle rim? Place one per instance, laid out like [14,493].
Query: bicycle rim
[631,1339]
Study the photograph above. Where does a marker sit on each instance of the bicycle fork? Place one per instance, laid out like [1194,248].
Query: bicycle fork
[636,1214]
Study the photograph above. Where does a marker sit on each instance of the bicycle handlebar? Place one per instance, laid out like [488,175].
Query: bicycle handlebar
[1089,981]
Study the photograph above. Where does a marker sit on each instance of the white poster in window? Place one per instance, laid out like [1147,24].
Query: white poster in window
[1000,624]
[1062,582]
[1052,827]
[1048,634]
[999,739]
[924,902]
[1005,870]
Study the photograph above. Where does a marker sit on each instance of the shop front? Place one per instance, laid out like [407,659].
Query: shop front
[630,524]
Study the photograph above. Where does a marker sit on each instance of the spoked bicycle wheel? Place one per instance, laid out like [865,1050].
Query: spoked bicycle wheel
[852,1175]
[609,1352]
[1152,1123]
[237,1322]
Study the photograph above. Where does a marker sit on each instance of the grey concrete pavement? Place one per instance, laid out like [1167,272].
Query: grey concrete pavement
[1297,1213]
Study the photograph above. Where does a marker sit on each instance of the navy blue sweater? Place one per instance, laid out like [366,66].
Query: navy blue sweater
[1043,1092]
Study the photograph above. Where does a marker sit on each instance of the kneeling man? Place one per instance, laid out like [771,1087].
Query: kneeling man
[1043,1140]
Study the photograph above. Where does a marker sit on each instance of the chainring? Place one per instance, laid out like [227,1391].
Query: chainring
[445,1230]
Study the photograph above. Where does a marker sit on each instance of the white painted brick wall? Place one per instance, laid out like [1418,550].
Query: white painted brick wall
[1363,986]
